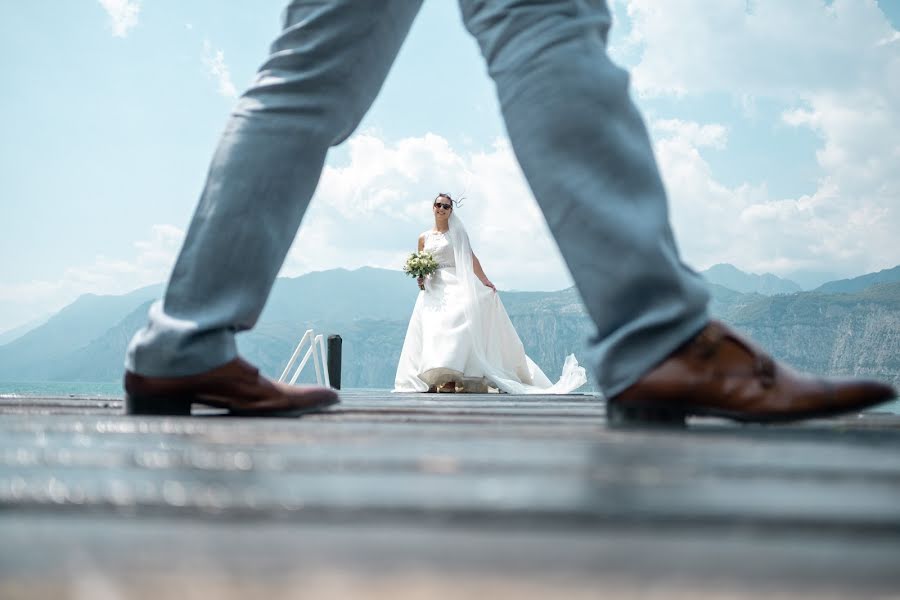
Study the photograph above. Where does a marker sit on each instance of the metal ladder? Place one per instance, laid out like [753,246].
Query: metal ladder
[319,359]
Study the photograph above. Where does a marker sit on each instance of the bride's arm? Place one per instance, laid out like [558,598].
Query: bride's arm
[479,273]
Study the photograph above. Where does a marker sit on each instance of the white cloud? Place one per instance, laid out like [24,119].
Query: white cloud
[123,15]
[150,263]
[214,60]
[713,135]
[775,48]
[835,68]
[371,210]
[836,228]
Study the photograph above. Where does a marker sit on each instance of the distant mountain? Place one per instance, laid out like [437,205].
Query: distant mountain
[339,294]
[34,356]
[857,284]
[840,334]
[103,357]
[726,301]
[810,280]
[550,324]
[16,332]
[748,283]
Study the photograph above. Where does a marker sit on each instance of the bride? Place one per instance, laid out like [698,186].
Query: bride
[459,335]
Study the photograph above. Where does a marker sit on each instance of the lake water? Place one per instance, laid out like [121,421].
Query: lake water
[74,389]
[67,389]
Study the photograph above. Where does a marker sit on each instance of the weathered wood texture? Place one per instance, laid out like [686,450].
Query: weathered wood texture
[442,496]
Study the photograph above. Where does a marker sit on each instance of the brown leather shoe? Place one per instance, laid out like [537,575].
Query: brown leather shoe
[721,374]
[236,385]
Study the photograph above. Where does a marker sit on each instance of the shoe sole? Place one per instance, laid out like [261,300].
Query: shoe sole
[180,406]
[666,416]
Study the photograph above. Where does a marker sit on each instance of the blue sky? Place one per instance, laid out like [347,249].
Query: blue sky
[776,126]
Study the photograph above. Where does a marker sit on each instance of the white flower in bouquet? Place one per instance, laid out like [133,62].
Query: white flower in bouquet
[420,264]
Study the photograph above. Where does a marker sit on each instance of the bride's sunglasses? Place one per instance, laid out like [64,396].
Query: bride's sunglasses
[444,206]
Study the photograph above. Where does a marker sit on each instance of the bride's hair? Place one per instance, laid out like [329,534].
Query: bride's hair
[455,203]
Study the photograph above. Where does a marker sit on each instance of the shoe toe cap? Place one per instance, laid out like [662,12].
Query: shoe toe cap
[862,393]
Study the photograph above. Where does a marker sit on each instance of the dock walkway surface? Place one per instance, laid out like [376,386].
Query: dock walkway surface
[442,496]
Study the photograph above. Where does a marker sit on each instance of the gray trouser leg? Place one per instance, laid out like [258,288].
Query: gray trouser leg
[324,71]
[587,157]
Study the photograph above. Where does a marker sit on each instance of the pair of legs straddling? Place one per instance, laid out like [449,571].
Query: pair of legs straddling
[578,137]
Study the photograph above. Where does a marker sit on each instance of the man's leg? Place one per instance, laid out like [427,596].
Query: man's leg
[324,71]
[586,154]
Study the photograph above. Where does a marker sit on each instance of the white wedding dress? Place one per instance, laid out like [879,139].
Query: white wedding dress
[459,331]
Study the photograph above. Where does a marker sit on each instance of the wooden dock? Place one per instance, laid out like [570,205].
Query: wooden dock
[442,496]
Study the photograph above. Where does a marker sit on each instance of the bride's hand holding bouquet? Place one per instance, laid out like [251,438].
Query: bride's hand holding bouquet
[420,265]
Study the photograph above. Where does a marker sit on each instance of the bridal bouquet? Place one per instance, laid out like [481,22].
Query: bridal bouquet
[420,264]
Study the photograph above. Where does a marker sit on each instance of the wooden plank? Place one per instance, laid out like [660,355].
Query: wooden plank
[55,556]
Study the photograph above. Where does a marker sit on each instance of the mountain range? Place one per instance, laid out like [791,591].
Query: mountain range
[848,327]
[733,278]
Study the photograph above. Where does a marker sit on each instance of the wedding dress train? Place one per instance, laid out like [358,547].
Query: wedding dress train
[459,331]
